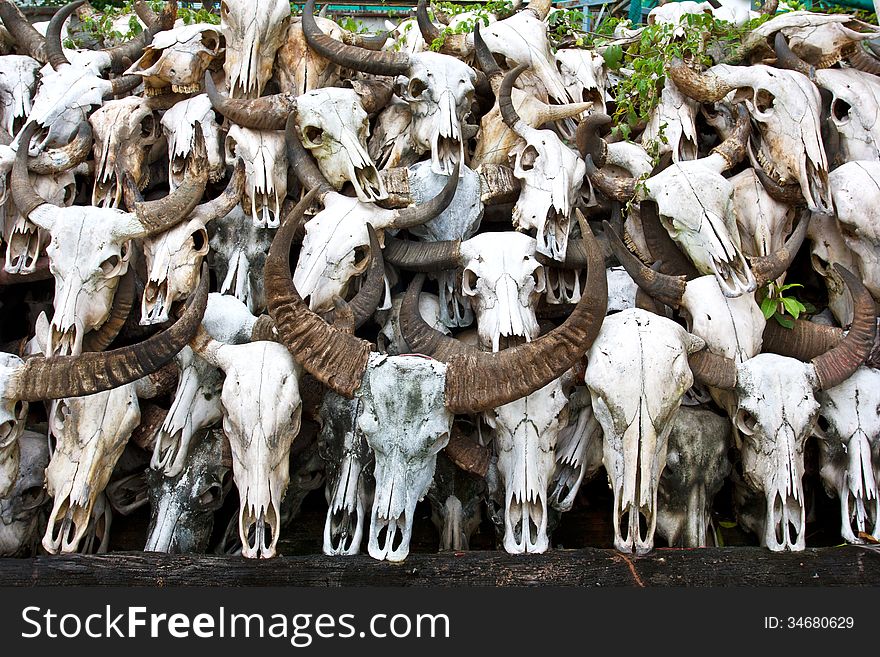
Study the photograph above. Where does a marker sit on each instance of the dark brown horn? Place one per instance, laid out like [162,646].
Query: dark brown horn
[804,341]
[374,94]
[228,199]
[365,302]
[23,194]
[466,453]
[124,84]
[616,188]
[862,61]
[484,56]
[770,267]
[505,104]
[588,140]
[89,373]
[788,194]
[426,27]
[299,159]
[30,42]
[164,21]
[477,381]
[733,149]
[158,216]
[62,159]
[352,57]
[366,41]
[661,245]
[785,58]
[770,7]
[498,185]
[713,370]
[54,52]
[123,301]
[266,113]
[131,195]
[837,365]
[334,358]
[420,214]
[666,289]
[422,256]
[705,87]
[576,256]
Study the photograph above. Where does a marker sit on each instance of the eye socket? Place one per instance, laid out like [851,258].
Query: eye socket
[528,158]
[210,41]
[211,497]
[745,422]
[361,257]
[32,498]
[19,410]
[313,135]
[469,280]
[200,240]
[764,100]
[148,126]
[822,423]
[416,87]
[69,195]
[840,110]
[110,265]
[58,418]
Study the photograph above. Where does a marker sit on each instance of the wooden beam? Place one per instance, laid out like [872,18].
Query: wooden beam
[844,566]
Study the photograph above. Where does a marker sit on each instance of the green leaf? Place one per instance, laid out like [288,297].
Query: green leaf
[792,306]
[785,322]
[726,524]
[768,307]
[613,57]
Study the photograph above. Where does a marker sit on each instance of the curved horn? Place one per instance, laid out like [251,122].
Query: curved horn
[334,358]
[158,216]
[466,453]
[589,142]
[123,301]
[617,188]
[485,58]
[54,52]
[661,245]
[23,194]
[26,36]
[666,289]
[477,381]
[770,267]
[422,256]
[266,113]
[420,214]
[733,149]
[228,199]
[366,41]
[804,341]
[301,162]
[358,59]
[164,21]
[508,114]
[374,94]
[863,61]
[713,370]
[788,194]
[123,85]
[58,160]
[89,373]
[837,365]
[785,58]
[705,87]
[426,27]
[365,302]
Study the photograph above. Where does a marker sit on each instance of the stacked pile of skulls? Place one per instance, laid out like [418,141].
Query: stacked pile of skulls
[216,241]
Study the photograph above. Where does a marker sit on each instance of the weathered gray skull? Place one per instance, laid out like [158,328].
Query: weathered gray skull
[405,427]
[637,375]
[456,500]
[333,126]
[265,160]
[22,508]
[239,251]
[849,443]
[176,60]
[350,485]
[125,130]
[696,467]
[182,508]
[13,413]
[253,33]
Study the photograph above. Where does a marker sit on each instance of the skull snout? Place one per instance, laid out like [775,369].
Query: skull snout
[344,525]
[860,502]
[67,525]
[785,520]
[526,522]
[22,248]
[258,530]
[154,308]
[65,341]
[391,520]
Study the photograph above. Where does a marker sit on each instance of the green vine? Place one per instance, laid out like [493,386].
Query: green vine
[782,307]
[497,8]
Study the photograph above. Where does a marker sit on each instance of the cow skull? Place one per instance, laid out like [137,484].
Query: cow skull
[18,81]
[179,124]
[583,74]
[13,414]
[239,250]
[849,444]
[853,112]
[22,507]
[176,60]
[253,32]
[265,162]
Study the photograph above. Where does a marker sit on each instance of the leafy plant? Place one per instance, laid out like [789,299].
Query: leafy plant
[498,8]
[780,306]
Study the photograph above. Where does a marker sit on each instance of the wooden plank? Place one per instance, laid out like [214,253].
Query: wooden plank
[844,566]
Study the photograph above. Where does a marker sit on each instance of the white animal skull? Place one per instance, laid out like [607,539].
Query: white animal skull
[176,60]
[672,124]
[827,248]
[855,111]
[849,443]
[239,250]
[334,127]
[18,81]
[583,74]
[578,451]
[253,33]
[763,221]
[638,373]
[178,124]
[265,160]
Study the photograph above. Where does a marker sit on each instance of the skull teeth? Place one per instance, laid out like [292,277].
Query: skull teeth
[152,92]
[768,167]
[186,88]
